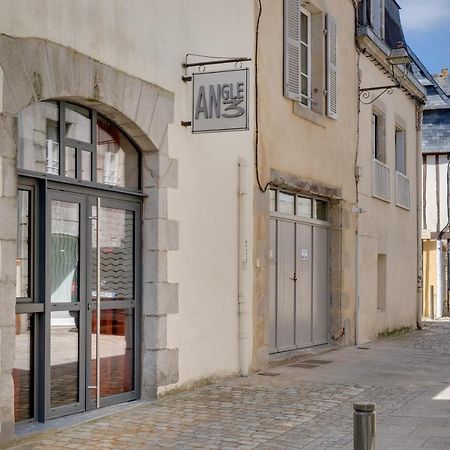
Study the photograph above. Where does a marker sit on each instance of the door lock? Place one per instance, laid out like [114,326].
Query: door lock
[295,277]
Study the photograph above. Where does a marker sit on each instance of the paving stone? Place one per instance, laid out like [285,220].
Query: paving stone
[296,410]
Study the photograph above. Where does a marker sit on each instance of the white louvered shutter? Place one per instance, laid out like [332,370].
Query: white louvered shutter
[292,21]
[332,88]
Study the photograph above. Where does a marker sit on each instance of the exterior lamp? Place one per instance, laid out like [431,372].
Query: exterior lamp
[398,57]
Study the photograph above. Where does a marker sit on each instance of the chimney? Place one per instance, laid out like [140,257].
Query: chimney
[444,73]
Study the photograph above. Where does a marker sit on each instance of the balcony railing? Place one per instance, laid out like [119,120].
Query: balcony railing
[402,191]
[381,185]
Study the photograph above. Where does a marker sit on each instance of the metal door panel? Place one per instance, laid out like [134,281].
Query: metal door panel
[320,285]
[273,286]
[303,326]
[286,286]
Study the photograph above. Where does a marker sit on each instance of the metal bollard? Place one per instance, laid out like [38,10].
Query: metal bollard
[364,426]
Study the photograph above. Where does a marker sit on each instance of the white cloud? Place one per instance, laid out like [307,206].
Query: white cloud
[421,15]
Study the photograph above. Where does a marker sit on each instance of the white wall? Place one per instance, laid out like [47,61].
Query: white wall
[149,39]
[386,228]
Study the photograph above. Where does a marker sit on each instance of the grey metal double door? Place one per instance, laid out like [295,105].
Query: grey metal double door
[91,313]
[298,285]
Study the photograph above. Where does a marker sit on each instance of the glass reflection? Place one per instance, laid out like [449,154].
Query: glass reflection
[23,244]
[116,352]
[78,123]
[304,207]
[71,162]
[286,203]
[117,158]
[22,371]
[86,165]
[273,200]
[39,138]
[116,254]
[64,345]
[64,257]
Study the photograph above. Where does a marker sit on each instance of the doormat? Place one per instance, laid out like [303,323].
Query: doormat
[304,365]
[268,374]
[318,361]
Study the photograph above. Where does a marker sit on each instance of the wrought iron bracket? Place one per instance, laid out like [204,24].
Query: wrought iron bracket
[365,93]
[186,65]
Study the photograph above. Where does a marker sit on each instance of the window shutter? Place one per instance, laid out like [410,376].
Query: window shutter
[292,21]
[332,94]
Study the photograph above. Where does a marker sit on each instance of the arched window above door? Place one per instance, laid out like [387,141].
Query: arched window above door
[76,144]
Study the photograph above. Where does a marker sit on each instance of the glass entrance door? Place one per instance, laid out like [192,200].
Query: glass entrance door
[92,286]
[67,301]
[111,332]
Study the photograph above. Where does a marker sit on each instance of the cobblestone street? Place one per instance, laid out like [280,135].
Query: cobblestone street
[295,406]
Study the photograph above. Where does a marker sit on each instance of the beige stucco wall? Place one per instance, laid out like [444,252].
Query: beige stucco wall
[321,151]
[149,40]
[386,228]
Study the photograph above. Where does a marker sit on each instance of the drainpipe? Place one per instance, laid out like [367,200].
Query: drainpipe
[419,217]
[438,312]
[244,314]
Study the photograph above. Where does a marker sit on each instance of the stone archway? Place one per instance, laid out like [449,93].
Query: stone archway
[35,70]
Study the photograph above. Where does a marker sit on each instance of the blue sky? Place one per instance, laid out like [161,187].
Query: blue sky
[426,25]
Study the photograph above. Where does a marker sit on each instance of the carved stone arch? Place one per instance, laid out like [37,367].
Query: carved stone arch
[33,70]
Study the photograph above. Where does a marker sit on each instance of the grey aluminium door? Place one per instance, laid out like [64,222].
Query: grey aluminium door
[92,355]
[303,297]
[286,285]
[298,271]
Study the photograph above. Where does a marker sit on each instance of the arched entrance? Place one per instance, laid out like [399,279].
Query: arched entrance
[78,265]
[34,70]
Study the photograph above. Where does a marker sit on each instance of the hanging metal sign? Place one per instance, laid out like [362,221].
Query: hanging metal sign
[220,101]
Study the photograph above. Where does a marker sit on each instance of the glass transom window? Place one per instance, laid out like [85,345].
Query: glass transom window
[298,205]
[74,143]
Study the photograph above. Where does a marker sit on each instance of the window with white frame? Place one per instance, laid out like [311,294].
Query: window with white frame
[310,57]
[377,17]
[400,151]
[305,58]
[378,138]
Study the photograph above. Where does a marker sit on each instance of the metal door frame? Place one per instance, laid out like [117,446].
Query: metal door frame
[43,192]
[114,304]
[314,223]
[80,406]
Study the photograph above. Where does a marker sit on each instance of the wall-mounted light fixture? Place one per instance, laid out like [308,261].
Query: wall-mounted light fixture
[398,57]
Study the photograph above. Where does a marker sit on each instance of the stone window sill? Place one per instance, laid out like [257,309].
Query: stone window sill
[309,115]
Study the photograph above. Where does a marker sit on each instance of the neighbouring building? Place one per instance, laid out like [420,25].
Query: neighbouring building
[98,176]
[436,179]
[388,164]
[339,228]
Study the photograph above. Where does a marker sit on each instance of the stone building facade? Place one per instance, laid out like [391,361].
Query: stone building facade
[171,238]
[435,181]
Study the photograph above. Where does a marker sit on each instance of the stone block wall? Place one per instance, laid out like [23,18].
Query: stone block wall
[35,70]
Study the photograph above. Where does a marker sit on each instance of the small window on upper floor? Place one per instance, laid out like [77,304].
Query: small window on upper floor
[376,9]
[378,137]
[400,151]
[310,57]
